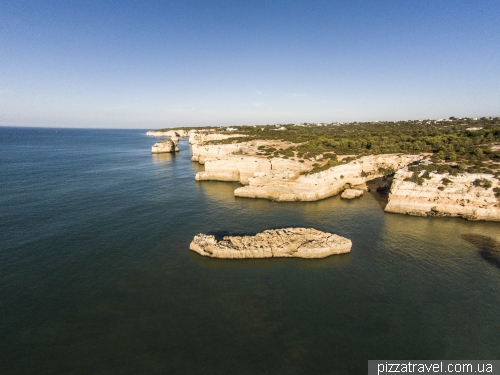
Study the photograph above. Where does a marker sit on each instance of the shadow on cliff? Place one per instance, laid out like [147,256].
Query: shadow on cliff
[220,234]
[489,249]
[379,188]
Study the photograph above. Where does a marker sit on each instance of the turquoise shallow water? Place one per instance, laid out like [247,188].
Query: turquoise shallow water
[96,276]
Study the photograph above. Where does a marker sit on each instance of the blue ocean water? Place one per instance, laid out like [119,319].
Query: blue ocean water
[96,276]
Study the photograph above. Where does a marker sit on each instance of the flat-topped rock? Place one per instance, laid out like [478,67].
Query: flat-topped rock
[273,243]
[164,147]
[351,193]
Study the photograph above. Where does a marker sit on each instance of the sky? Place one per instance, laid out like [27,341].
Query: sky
[156,64]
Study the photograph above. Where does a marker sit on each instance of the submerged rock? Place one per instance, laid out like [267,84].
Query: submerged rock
[289,242]
[489,248]
[164,147]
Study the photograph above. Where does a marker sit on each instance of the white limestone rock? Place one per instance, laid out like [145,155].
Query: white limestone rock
[323,184]
[201,152]
[457,198]
[351,193]
[165,146]
[289,242]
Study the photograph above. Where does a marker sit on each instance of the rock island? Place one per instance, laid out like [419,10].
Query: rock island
[273,243]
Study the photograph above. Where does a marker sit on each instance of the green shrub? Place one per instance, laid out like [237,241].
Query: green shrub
[482,182]
[426,175]
[446,181]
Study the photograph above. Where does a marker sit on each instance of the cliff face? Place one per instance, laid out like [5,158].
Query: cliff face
[204,152]
[165,146]
[290,242]
[458,198]
[233,168]
[239,162]
[284,185]
[243,168]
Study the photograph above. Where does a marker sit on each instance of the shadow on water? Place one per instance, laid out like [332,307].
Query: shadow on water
[489,249]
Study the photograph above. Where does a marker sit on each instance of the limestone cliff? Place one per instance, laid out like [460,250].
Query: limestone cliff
[281,185]
[445,195]
[290,242]
[240,161]
[202,152]
[243,168]
[164,147]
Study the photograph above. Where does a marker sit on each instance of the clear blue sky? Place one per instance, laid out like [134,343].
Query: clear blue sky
[151,64]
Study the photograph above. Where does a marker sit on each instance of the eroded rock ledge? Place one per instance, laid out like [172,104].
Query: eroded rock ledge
[273,243]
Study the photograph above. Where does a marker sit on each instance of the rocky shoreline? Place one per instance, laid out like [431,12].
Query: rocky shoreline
[285,179]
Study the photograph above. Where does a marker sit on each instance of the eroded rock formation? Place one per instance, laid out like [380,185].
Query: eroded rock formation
[164,147]
[289,242]
[281,185]
[445,195]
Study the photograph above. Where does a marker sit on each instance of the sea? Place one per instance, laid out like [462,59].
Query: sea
[96,275]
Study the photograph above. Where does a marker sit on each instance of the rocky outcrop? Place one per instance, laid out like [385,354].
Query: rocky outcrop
[177,133]
[233,168]
[243,168]
[445,195]
[164,147]
[351,193]
[290,242]
[284,186]
[203,152]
